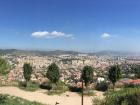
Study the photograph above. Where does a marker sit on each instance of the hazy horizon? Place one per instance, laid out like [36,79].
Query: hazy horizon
[80,51]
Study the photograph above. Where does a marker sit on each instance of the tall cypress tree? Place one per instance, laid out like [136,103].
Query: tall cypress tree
[114,74]
[53,73]
[87,75]
[27,71]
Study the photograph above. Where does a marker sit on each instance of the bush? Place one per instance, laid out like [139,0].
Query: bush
[61,86]
[97,101]
[126,96]
[11,100]
[2,98]
[75,89]
[131,85]
[58,88]
[32,86]
[46,86]
[29,86]
[22,84]
[103,86]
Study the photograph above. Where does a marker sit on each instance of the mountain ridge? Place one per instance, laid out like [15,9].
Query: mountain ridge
[62,52]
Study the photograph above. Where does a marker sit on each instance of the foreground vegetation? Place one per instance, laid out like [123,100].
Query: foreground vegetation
[30,86]
[4,66]
[125,96]
[11,100]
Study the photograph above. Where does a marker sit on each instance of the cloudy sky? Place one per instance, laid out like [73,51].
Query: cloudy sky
[85,25]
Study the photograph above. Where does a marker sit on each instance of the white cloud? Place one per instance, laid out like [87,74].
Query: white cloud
[40,34]
[106,35]
[53,34]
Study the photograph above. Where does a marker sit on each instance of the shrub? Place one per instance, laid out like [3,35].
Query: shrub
[75,89]
[46,86]
[97,101]
[102,86]
[131,85]
[61,86]
[58,88]
[11,100]
[2,98]
[30,86]
[126,96]
[22,84]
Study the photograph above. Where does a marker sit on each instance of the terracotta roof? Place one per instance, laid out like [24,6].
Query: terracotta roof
[130,81]
[137,81]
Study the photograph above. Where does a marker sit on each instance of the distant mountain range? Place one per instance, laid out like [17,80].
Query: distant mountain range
[60,52]
[116,53]
[36,52]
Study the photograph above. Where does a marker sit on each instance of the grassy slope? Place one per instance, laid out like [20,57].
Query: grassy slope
[11,100]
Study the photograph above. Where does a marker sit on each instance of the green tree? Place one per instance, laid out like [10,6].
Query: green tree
[53,73]
[87,75]
[137,71]
[27,71]
[4,66]
[114,74]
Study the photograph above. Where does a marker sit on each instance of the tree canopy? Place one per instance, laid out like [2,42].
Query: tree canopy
[87,74]
[53,73]
[4,66]
[137,71]
[27,71]
[114,74]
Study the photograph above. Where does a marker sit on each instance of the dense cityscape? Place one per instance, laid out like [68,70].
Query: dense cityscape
[70,65]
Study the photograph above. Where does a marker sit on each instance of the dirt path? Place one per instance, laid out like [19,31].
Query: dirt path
[39,96]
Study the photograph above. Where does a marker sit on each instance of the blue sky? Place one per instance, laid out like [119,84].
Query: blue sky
[81,25]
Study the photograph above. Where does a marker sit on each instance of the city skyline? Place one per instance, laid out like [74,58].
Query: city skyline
[79,25]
